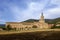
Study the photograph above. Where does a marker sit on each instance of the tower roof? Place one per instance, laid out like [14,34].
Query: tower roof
[42,18]
[41,14]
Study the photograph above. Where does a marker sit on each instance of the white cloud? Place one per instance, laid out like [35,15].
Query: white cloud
[33,11]
[55,2]
[52,13]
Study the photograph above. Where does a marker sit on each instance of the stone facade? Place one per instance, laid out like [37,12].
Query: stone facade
[19,25]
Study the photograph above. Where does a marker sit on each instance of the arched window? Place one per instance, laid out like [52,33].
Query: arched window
[34,26]
[26,27]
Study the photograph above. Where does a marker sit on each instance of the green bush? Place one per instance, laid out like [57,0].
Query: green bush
[56,27]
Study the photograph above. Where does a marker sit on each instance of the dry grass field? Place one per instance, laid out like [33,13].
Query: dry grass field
[38,35]
[24,31]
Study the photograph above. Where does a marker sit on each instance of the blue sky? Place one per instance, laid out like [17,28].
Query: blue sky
[20,10]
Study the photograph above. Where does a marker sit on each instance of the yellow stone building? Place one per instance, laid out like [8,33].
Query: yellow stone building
[22,25]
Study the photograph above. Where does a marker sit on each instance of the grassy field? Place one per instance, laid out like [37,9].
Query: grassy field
[38,35]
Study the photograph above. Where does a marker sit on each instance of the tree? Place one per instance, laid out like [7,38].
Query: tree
[9,27]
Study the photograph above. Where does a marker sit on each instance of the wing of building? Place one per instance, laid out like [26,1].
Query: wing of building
[18,25]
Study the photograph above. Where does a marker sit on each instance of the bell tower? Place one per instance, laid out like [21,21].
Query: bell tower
[42,19]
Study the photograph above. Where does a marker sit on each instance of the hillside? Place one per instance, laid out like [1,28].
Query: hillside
[2,25]
[56,20]
[51,21]
[31,20]
[47,20]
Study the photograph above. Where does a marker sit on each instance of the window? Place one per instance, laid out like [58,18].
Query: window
[34,26]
